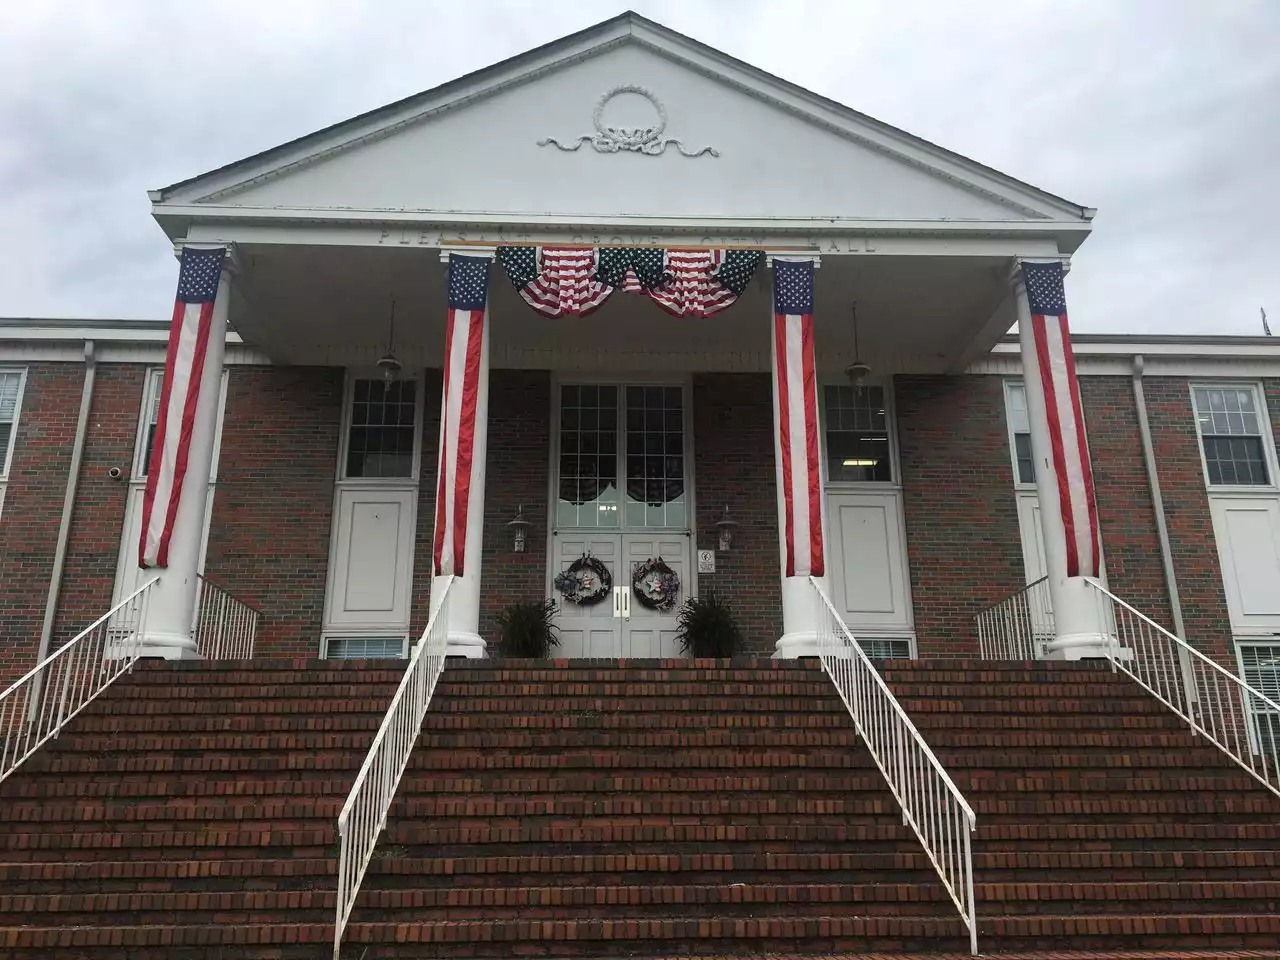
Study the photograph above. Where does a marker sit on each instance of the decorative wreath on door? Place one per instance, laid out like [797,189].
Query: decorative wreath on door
[585,582]
[655,585]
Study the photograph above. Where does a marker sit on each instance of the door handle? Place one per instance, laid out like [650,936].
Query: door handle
[626,603]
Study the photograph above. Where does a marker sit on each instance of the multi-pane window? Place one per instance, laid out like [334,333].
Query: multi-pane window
[151,415]
[10,399]
[1231,434]
[380,438]
[1020,434]
[655,457]
[588,457]
[857,433]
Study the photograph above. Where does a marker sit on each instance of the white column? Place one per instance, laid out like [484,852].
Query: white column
[173,599]
[464,596]
[799,602]
[1076,614]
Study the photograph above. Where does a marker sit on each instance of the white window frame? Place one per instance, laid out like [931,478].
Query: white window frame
[1010,385]
[329,638]
[891,429]
[152,387]
[348,398]
[1264,424]
[6,455]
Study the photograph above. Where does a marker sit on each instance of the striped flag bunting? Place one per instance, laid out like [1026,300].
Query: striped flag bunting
[556,281]
[798,464]
[1057,370]
[189,333]
[574,282]
[456,473]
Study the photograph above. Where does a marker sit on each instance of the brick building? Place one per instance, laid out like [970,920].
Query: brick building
[574,312]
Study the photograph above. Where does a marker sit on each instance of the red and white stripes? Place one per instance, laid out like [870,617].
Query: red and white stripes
[1057,369]
[189,334]
[799,465]
[459,470]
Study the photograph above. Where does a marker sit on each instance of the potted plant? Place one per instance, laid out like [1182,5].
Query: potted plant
[706,628]
[528,629]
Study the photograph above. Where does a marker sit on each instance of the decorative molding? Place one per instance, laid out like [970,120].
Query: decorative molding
[646,140]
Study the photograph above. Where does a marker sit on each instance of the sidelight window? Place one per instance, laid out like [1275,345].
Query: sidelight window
[1024,465]
[11,384]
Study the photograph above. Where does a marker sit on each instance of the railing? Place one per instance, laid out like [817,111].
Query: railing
[931,803]
[223,627]
[38,706]
[1017,627]
[364,814]
[1240,720]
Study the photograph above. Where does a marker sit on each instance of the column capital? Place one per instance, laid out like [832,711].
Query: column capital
[467,251]
[1015,268]
[770,256]
[232,264]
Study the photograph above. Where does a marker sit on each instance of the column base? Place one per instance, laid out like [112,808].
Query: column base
[469,645]
[793,646]
[160,646]
[1083,646]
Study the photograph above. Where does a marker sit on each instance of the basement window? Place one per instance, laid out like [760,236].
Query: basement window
[365,648]
[1260,668]
[1230,419]
[881,649]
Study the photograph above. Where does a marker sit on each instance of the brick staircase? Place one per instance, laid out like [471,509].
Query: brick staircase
[1103,823]
[605,808]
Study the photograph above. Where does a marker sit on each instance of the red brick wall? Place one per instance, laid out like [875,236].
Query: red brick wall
[734,466]
[1186,501]
[273,504]
[98,520]
[1130,542]
[516,473]
[961,516]
[33,507]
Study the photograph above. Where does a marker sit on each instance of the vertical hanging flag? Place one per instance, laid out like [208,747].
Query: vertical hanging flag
[464,343]
[799,469]
[1057,370]
[189,334]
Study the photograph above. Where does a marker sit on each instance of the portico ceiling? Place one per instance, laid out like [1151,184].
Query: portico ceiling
[330,305]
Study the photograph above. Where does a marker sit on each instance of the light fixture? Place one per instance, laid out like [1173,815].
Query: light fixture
[856,462]
[726,528]
[388,364]
[857,372]
[519,526]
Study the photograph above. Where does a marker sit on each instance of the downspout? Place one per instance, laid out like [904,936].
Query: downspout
[68,502]
[1157,502]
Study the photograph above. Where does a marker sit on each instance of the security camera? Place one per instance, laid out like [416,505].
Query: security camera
[115,473]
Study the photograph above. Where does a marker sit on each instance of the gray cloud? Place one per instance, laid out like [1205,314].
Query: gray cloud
[1161,113]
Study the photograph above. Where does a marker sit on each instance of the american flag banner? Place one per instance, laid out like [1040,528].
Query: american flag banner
[189,334]
[556,281]
[701,283]
[464,348]
[796,405]
[1057,374]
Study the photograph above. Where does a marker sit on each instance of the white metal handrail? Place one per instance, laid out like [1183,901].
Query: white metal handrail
[1239,719]
[364,815]
[931,803]
[222,626]
[1018,626]
[36,708]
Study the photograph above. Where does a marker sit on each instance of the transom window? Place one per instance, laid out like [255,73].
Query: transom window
[1231,423]
[857,433]
[1024,464]
[650,460]
[380,438]
[11,383]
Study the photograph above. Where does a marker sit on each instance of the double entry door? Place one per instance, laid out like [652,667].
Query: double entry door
[620,495]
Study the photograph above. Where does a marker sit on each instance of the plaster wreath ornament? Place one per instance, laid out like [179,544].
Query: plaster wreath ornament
[655,585]
[584,582]
[646,140]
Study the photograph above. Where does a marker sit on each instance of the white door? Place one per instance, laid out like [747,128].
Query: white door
[367,602]
[129,576]
[1032,535]
[868,575]
[1247,530]
[620,494]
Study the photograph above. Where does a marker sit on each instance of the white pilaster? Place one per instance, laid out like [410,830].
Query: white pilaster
[173,599]
[1076,614]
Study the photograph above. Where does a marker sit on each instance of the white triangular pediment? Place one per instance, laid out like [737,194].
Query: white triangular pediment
[775,152]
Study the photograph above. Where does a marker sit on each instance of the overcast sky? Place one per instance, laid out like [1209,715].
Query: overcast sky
[1163,114]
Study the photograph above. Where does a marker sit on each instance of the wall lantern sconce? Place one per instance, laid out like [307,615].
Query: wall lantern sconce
[519,526]
[726,528]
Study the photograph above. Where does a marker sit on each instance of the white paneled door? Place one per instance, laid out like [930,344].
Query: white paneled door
[869,562]
[1247,529]
[371,573]
[620,495]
